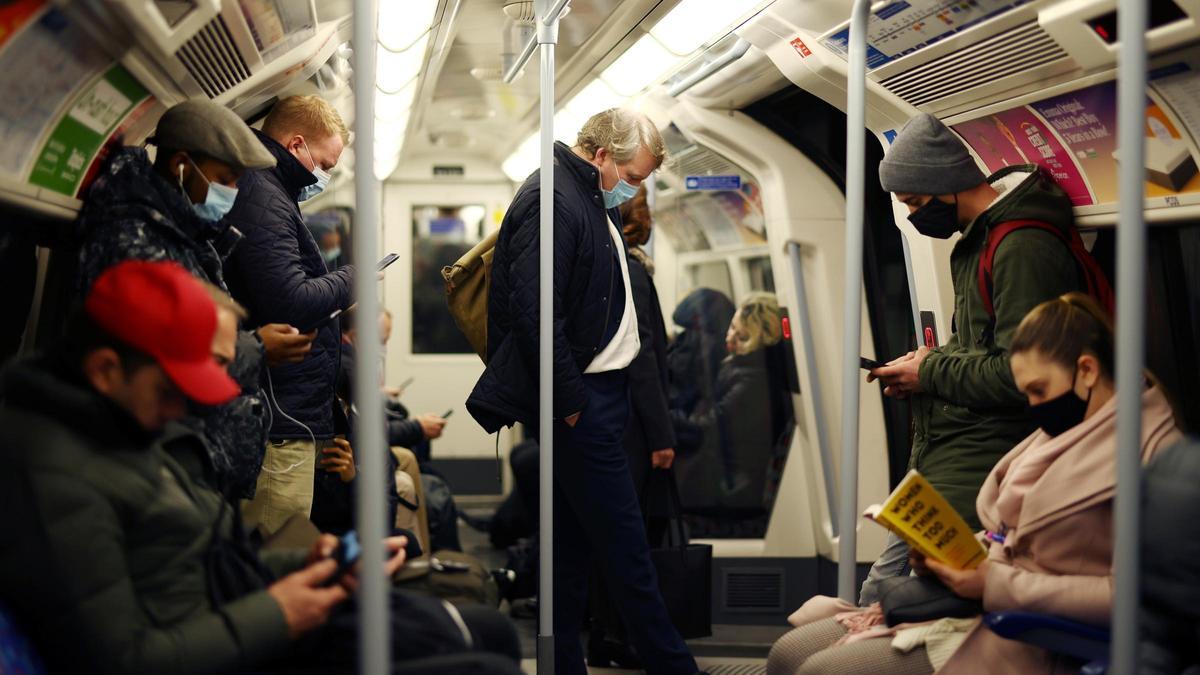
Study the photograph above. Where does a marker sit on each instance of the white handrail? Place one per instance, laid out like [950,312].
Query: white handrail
[856,174]
[1131,328]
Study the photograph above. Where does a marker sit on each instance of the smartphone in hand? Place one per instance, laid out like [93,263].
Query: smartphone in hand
[333,315]
[869,364]
[387,260]
[346,554]
[448,413]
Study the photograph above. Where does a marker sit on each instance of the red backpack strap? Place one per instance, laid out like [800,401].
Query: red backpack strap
[1097,283]
[996,234]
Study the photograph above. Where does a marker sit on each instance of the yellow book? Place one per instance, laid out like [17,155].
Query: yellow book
[920,515]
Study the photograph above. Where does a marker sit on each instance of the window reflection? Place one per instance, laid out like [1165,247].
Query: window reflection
[441,235]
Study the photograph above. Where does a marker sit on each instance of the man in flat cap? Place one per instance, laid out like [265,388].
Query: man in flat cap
[967,411]
[172,210]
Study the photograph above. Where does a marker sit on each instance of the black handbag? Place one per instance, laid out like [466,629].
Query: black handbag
[684,570]
[911,599]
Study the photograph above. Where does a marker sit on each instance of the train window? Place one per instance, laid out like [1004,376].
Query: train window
[441,235]
[731,401]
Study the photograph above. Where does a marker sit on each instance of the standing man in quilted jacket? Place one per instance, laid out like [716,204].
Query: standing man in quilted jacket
[278,273]
[967,412]
[596,514]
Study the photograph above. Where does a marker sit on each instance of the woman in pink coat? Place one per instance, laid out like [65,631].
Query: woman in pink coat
[1047,507]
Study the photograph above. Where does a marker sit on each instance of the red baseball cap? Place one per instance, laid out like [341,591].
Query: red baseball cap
[159,308]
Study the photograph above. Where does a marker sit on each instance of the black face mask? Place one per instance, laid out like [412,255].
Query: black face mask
[936,218]
[1062,413]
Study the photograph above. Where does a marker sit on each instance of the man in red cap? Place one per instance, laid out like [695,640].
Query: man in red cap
[119,559]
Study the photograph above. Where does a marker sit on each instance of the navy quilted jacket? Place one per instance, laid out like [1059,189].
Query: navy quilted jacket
[277,272]
[589,297]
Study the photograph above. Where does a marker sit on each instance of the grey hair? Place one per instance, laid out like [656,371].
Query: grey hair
[622,132]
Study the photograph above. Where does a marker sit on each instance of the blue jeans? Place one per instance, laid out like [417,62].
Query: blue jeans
[893,562]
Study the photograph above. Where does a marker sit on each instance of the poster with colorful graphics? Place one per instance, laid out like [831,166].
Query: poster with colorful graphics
[1018,136]
[1087,121]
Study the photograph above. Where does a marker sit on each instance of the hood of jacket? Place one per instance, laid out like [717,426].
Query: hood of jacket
[292,174]
[1027,192]
[129,187]
[41,386]
[706,310]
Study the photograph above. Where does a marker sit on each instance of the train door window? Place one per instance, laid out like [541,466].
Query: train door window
[441,235]
[731,402]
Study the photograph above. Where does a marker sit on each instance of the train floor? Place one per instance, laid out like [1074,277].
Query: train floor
[731,650]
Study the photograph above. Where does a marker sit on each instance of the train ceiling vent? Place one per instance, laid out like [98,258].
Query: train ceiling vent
[752,589]
[212,59]
[1012,53]
[698,161]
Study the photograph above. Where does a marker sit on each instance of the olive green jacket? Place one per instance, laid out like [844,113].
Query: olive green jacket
[105,540]
[971,413]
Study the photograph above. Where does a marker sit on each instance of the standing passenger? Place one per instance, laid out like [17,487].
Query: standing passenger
[279,274]
[967,410]
[595,340]
[173,210]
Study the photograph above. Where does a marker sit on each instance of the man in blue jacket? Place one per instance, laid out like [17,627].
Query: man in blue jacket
[595,340]
[278,273]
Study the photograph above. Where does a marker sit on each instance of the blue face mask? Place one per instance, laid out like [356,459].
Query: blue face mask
[217,202]
[310,191]
[621,192]
[332,254]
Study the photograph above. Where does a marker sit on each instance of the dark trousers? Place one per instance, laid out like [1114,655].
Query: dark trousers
[596,518]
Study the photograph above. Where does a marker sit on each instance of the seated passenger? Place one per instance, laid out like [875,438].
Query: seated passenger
[172,210]
[122,562]
[1047,507]
[695,355]
[739,426]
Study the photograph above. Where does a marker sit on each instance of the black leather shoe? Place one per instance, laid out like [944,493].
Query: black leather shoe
[608,654]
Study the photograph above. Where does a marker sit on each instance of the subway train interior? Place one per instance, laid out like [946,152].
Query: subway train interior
[752,101]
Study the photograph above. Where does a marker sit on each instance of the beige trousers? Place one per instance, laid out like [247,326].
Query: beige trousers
[285,485]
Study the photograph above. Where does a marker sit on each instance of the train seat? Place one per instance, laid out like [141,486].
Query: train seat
[1077,640]
[17,655]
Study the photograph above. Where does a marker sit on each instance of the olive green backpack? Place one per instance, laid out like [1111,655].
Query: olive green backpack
[467,292]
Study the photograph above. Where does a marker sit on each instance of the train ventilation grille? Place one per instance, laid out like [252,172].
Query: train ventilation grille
[737,669]
[1012,52]
[753,590]
[698,161]
[212,59]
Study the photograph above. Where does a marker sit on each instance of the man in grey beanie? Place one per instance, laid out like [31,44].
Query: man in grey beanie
[172,209]
[967,411]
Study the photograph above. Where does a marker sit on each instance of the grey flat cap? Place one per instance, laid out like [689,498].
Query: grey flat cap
[214,130]
[928,159]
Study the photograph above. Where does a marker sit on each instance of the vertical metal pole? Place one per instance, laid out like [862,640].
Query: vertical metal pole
[373,638]
[547,37]
[912,290]
[856,143]
[814,384]
[1131,326]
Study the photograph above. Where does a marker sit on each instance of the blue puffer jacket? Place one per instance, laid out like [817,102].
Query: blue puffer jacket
[277,272]
[589,297]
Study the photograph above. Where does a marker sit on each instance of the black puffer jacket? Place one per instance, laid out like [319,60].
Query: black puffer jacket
[1170,622]
[694,358]
[278,273]
[589,297]
[132,213]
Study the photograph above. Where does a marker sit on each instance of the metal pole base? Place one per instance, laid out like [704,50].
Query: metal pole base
[545,655]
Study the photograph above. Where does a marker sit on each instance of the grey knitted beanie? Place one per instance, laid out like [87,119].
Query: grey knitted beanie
[928,159]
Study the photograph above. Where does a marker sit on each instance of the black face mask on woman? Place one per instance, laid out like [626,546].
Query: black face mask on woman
[935,218]
[1062,413]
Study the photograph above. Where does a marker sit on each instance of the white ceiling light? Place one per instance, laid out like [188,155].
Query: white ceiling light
[390,107]
[397,68]
[644,63]
[401,22]
[694,22]
[385,165]
[524,160]
[594,98]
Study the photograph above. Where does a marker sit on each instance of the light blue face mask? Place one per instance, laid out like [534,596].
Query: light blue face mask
[217,202]
[621,192]
[309,191]
[332,254]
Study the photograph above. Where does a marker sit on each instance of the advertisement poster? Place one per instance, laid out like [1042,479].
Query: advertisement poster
[1074,136]
[1018,136]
